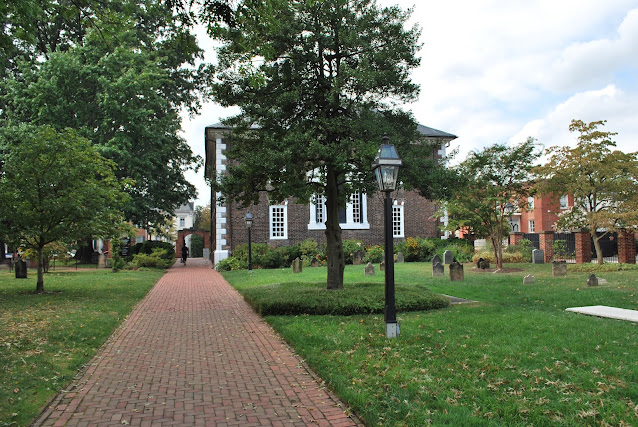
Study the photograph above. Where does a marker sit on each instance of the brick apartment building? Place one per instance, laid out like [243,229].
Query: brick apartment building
[541,214]
[289,223]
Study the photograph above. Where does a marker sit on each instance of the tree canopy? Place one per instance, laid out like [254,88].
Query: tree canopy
[603,181]
[118,73]
[318,84]
[55,186]
[496,183]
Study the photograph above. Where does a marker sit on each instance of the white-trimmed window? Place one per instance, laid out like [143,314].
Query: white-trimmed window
[353,217]
[182,222]
[563,202]
[397,219]
[279,221]
[532,227]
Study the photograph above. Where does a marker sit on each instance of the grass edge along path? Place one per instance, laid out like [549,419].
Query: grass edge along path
[46,339]
[514,358]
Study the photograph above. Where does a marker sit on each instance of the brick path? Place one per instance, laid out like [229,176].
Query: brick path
[194,353]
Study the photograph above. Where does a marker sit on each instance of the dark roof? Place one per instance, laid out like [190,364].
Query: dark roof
[424,130]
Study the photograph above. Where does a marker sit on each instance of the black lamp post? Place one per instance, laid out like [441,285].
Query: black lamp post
[386,169]
[249,225]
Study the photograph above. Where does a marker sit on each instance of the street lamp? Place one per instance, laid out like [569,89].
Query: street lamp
[249,225]
[386,169]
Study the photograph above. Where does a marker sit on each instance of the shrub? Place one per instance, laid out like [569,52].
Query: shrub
[116,252]
[359,298]
[228,264]
[525,248]
[197,246]
[350,246]
[289,253]
[412,250]
[462,250]
[157,259]
[373,254]
[308,248]
[148,246]
[509,257]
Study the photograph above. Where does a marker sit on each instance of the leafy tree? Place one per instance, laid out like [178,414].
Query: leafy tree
[317,83]
[496,185]
[603,181]
[55,187]
[202,217]
[119,75]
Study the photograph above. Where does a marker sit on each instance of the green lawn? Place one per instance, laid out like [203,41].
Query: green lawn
[45,339]
[513,358]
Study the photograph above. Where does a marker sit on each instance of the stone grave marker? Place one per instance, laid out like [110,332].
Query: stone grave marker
[382,266]
[436,259]
[314,262]
[538,256]
[297,265]
[559,268]
[483,264]
[529,280]
[400,257]
[593,280]
[20,269]
[357,258]
[369,270]
[438,269]
[456,272]
[448,257]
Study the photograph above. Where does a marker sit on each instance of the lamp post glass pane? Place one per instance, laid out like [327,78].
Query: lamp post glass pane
[249,220]
[389,175]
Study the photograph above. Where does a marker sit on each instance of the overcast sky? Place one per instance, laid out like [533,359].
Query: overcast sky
[500,71]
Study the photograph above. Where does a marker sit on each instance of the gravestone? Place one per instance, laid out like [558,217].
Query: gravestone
[448,257]
[369,271]
[559,268]
[314,262]
[382,266]
[101,261]
[456,272]
[602,281]
[483,264]
[357,258]
[437,269]
[436,259]
[400,257]
[297,265]
[529,280]
[593,280]
[538,256]
[21,269]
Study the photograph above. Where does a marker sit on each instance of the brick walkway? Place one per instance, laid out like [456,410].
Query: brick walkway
[194,353]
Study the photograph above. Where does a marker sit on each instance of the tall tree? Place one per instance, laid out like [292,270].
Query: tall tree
[122,87]
[55,186]
[317,83]
[497,182]
[603,181]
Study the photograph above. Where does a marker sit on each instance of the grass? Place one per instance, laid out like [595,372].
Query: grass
[513,358]
[45,339]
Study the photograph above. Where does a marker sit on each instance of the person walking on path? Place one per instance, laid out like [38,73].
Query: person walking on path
[194,353]
[184,253]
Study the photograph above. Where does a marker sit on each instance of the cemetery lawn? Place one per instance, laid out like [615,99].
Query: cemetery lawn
[45,339]
[515,357]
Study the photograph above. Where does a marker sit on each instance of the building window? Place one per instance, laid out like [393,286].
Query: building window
[563,202]
[182,222]
[530,203]
[397,219]
[279,221]
[531,226]
[352,217]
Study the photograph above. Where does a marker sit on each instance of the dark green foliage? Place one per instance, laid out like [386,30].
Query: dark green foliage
[148,246]
[359,298]
[230,263]
[197,246]
[158,258]
[350,246]
[524,247]
[423,249]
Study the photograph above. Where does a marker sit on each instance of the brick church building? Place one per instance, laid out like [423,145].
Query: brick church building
[289,223]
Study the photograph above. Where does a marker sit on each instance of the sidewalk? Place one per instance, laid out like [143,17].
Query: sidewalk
[194,353]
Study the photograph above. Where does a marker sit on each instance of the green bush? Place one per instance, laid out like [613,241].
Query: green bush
[509,257]
[350,246]
[359,298]
[148,246]
[228,264]
[157,259]
[309,248]
[373,254]
[524,248]
[289,253]
[462,250]
[197,246]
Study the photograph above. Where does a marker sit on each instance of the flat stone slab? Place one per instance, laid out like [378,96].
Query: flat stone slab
[457,300]
[605,311]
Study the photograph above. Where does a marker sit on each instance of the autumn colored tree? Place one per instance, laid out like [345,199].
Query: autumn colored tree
[496,185]
[603,181]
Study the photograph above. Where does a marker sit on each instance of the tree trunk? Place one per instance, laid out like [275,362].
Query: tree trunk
[334,244]
[39,287]
[599,252]
[3,260]
[85,250]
